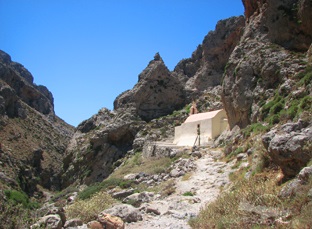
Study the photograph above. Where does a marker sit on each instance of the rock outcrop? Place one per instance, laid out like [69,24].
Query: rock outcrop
[286,23]
[156,94]
[32,138]
[290,147]
[206,66]
[257,65]
[97,144]
[18,78]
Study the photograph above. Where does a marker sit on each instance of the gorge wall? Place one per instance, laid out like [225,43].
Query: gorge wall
[32,138]
[272,50]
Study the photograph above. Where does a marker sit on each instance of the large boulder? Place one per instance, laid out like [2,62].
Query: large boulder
[126,212]
[290,147]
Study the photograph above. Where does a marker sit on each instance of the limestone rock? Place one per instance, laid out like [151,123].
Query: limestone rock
[289,147]
[256,65]
[98,143]
[285,22]
[49,221]
[95,225]
[123,193]
[111,222]
[296,185]
[205,68]
[21,80]
[156,94]
[126,212]
[73,223]
[137,199]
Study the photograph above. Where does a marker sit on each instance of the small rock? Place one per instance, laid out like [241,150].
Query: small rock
[138,198]
[72,198]
[126,212]
[152,210]
[197,154]
[305,174]
[241,156]
[110,222]
[73,223]
[130,176]
[58,211]
[175,173]
[95,225]
[122,193]
[49,221]
[156,177]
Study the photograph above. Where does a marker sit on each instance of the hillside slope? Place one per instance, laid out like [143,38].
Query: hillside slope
[33,139]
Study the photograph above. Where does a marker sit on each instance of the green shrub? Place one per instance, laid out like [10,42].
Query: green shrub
[188,194]
[17,197]
[64,193]
[20,198]
[305,77]
[106,184]
[89,191]
[114,182]
[274,119]
[277,107]
[305,104]
[254,128]
[235,152]
[292,111]
[188,108]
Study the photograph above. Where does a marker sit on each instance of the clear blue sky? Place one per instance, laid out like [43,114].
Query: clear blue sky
[87,52]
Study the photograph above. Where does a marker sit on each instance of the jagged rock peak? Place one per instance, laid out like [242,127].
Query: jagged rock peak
[157,57]
[157,92]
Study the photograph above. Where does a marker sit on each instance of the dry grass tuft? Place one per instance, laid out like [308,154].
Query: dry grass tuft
[87,210]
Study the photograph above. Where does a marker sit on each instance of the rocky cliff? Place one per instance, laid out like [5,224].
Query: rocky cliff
[272,50]
[204,69]
[33,139]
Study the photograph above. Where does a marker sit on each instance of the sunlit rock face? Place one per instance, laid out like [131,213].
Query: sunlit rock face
[205,68]
[156,94]
[274,32]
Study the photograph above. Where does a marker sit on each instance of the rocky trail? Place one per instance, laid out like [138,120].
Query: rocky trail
[203,186]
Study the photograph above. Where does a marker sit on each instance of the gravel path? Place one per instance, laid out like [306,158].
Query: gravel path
[176,209]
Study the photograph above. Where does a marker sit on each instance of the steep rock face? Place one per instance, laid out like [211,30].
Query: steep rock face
[32,138]
[286,23]
[205,68]
[97,144]
[262,60]
[20,79]
[156,94]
